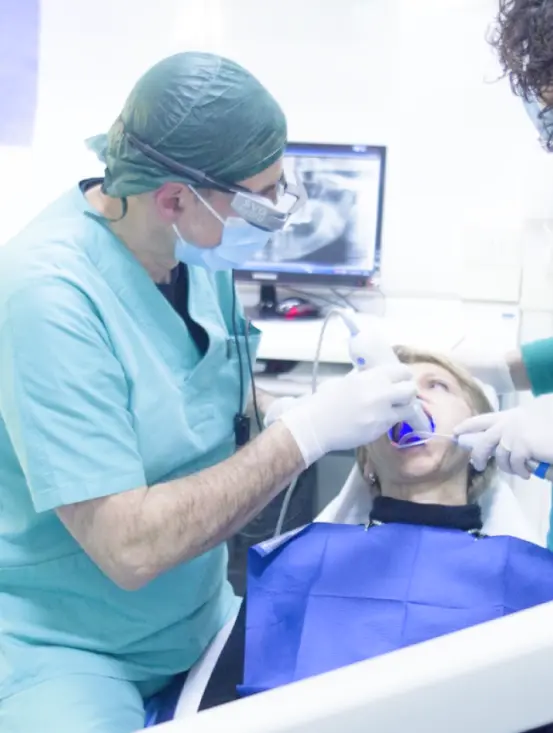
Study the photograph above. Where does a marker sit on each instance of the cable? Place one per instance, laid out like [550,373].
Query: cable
[314,380]
[313,296]
[340,299]
[344,299]
[238,351]
[315,371]
[284,508]
[258,420]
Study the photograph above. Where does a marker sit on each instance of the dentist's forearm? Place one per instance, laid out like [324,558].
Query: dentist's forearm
[136,535]
[201,511]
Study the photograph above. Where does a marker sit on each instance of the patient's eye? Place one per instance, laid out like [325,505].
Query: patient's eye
[439,384]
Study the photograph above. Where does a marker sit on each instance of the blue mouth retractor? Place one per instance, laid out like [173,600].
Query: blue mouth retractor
[405,434]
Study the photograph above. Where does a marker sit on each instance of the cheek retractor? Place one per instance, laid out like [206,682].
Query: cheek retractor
[404,435]
[409,439]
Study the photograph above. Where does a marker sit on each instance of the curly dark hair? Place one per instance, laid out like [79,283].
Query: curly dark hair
[523,38]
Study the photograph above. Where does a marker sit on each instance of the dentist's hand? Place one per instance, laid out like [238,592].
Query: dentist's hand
[351,411]
[278,408]
[515,436]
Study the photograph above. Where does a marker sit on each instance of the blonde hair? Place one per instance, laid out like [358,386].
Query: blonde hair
[476,398]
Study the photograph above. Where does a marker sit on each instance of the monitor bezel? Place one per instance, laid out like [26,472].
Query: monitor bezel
[260,277]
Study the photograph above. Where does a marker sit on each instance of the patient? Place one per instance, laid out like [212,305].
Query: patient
[417,568]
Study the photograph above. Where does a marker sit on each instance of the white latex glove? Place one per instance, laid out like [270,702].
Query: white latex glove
[280,406]
[277,408]
[491,369]
[351,411]
[515,436]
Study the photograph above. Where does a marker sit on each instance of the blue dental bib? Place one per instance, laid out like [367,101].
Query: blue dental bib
[331,595]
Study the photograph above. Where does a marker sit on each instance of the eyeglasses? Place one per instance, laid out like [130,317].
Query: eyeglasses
[254,208]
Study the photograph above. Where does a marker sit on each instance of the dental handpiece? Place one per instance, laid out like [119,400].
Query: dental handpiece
[367,349]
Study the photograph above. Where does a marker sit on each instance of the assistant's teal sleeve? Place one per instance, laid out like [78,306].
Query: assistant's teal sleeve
[64,397]
[538,360]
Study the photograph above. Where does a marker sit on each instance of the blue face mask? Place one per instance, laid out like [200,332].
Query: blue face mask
[240,242]
[543,120]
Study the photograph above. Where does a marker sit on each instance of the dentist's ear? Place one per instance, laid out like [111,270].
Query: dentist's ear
[170,201]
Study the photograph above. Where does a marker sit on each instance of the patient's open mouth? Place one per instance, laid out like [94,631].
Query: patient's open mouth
[403,434]
[397,432]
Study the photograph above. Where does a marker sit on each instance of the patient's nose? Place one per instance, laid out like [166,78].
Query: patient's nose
[425,402]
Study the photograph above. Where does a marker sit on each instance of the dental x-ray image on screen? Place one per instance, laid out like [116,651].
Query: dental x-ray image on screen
[338,229]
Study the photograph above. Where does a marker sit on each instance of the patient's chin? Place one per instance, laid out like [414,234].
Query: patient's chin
[419,462]
[418,471]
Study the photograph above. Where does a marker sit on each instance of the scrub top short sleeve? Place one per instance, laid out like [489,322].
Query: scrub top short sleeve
[64,397]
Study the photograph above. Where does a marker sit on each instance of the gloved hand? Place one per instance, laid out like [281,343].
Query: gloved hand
[490,368]
[280,406]
[277,408]
[516,436]
[351,411]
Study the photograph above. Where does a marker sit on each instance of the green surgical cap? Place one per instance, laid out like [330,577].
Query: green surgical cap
[200,110]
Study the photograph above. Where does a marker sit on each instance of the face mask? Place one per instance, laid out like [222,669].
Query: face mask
[543,122]
[240,242]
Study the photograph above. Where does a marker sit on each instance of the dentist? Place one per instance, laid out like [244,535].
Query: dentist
[123,356]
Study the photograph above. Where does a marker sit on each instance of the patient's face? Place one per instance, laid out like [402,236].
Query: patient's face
[443,397]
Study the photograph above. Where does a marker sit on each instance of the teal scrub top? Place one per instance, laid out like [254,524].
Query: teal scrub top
[103,390]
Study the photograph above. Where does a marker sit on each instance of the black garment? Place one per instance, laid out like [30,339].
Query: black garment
[386,510]
[229,670]
[176,291]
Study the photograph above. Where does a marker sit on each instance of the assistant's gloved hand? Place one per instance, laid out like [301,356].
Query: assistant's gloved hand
[516,436]
[490,368]
[351,411]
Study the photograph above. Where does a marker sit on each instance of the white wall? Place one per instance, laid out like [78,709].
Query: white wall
[467,183]
[466,179]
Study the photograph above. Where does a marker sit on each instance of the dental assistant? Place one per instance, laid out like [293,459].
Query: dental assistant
[123,359]
[523,39]
[522,36]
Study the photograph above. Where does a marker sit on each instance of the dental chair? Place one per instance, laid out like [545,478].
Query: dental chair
[502,515]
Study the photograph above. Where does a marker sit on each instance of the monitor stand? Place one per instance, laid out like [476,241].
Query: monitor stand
[268,301]
[267,305]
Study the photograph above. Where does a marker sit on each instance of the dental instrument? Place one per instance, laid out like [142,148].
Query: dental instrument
[368,348]
[540,469]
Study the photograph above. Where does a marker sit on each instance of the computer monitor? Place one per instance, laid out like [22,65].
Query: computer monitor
[496,677]
[335,239]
